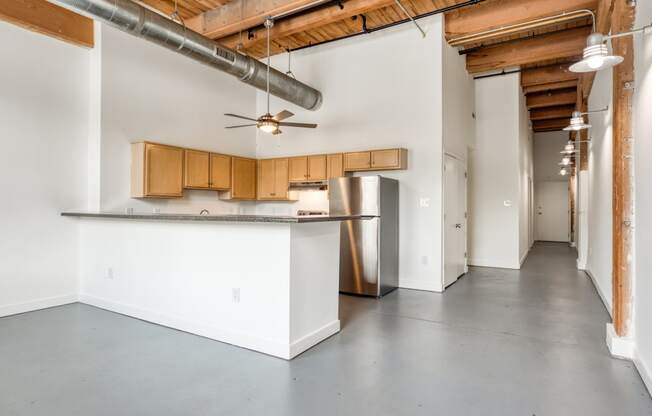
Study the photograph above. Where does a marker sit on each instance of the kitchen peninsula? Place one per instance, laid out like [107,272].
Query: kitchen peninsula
[265,283]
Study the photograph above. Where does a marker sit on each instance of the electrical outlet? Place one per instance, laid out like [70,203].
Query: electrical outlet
[109,273]
[424,202]
[235,294]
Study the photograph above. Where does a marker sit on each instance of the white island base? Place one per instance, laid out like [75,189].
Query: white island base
[269,287]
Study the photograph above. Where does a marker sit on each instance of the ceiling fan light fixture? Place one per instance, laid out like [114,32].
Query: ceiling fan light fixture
[267,125]
[596,55]
[577,122]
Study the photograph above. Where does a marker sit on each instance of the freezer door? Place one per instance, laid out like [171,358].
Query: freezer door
[354,196]
[359,257]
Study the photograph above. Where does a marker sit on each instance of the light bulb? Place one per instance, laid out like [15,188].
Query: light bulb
[565,161]
[563,172]
[595,62]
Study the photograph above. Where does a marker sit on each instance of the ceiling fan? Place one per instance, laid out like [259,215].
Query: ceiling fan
[267,122]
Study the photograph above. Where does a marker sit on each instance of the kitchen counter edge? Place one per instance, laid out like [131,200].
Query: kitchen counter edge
[218,218]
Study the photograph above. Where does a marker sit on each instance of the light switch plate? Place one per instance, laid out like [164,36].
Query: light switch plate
[424,202]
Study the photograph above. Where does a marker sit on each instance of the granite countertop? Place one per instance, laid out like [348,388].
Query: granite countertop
[217,218]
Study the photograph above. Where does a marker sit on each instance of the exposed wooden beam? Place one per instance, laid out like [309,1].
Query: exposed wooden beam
[549,125]
[547,113]
[496,14]
[547,74]
[317,18]
[603,25]
[561,97]
[241,15]
[550,86]
[623,169]
[46,18]
[555,45]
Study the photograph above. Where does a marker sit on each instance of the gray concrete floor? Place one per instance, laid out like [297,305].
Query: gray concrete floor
[498,342]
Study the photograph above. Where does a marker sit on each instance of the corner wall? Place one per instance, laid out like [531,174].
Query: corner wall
[498,165]
[43,131]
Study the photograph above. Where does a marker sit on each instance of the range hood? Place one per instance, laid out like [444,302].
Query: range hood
[314,185]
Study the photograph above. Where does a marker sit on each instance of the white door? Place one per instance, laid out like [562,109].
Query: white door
[454,220]
[552,211]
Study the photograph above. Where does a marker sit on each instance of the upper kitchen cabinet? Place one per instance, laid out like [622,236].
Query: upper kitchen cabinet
[196,169]
[385,159]
[307,168]
[273,183]
[243,179]
[220,171]
[156,171]
[335,165]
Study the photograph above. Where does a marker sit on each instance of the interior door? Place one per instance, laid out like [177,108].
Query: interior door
[454,220]
[552,211]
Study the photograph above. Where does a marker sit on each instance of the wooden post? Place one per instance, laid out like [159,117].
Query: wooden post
[623,91]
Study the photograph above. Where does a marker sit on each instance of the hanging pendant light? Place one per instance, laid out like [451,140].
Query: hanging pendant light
[563,171]
[577,122]
[569,148]
[596,55]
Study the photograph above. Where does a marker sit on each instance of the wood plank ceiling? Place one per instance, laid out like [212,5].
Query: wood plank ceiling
[539,38]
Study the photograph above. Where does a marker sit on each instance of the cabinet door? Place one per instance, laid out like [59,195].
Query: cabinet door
[317,167]
[163,170]
[298,169]
[385,158]
[335,166]
[196,169]
[220,171]
[243,173]
[281,178]
[357,160]
[266,179]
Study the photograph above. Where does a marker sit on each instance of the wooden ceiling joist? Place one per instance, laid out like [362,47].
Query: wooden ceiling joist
[547,75]
[487,20]
[550,86]
[304,22]
[561,97]
[549,125]
[555,45]
[43,17]
[548,113]
[240,15]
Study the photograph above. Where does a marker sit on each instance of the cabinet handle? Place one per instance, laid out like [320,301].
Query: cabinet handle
[273,194]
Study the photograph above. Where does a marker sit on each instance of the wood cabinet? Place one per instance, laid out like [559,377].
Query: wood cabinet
[385,159]
[273,183]
[243,179]
[196,169]
[220,171]
[156,171]
[335,165]
[307,168]
[357,161]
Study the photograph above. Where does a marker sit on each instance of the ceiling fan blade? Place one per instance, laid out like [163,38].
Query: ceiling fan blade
[242,117]
[304,125]
[283,115]
[242,125]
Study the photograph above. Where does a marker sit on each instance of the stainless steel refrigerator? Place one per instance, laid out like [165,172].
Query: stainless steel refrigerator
[368,247]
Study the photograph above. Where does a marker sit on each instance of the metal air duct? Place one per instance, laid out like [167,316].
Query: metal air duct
[142,22]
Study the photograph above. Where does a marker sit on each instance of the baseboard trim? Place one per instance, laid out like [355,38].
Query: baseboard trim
[306,342]
[645,373]
[524,257]
[265,345]
[603,298]
[420,284]
[581,265]
[493,264]
[37,304]
[619,347]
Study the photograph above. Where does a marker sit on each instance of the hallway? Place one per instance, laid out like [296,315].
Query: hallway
[498,342]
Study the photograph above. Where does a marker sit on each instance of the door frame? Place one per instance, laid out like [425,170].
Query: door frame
[463,163]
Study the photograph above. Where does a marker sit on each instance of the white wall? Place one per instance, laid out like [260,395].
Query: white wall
[599,248]
[43,129]
[149,92]
[380,90]
[643,194]
[495,171]
[547,157]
